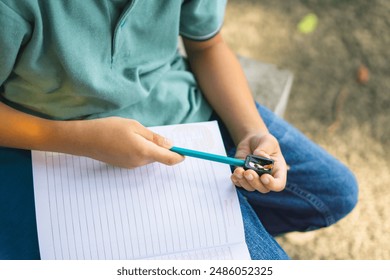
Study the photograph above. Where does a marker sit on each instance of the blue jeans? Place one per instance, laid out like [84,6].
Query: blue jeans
[320,190]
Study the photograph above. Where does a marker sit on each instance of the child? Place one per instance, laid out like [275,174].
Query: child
[88,77]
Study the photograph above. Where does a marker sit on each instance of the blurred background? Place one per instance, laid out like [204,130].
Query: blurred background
[338,51]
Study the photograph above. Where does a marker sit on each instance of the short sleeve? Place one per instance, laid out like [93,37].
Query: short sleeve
[201,19]
[14,31]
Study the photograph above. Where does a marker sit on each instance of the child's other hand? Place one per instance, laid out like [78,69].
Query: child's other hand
[267,146]
[123,142]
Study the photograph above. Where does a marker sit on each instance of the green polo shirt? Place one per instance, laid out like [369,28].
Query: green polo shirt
[76,59]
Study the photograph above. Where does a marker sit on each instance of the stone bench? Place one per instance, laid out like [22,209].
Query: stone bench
[270,85]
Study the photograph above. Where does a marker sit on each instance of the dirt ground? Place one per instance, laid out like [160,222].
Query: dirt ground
[349,119]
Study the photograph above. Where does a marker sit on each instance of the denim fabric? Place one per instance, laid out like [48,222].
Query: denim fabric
[320,190]
[261,245]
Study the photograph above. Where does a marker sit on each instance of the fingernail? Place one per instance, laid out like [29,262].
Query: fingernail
[249,177]
[265,180]
[239,176]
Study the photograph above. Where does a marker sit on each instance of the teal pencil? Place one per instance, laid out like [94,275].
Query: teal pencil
[208,156]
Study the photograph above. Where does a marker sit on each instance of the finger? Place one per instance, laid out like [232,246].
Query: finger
[156,146]
[164,155]
[152,136]
[261,153]
[238,176]
[254,180]
[276,183]
[241,153]
[248,180]
[279,175]
[238,173]
[239,180]
[265,146]
[235,181]
[246,185]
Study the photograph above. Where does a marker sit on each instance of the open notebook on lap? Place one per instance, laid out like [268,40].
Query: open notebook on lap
[89,210]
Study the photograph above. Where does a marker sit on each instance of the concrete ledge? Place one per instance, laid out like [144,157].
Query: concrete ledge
[270,85]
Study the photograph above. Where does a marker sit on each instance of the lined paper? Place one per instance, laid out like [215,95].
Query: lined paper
[89,210]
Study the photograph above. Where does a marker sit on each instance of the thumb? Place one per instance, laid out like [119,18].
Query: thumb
[264,146]
[241,152]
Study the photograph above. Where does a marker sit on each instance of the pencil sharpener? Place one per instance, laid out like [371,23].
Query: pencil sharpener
[259,164]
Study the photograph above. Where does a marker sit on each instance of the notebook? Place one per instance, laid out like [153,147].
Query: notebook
[86,209]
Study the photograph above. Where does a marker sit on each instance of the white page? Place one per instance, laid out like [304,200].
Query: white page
[89,210]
